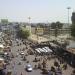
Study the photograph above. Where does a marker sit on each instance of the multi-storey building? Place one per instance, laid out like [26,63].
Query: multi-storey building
[73,18]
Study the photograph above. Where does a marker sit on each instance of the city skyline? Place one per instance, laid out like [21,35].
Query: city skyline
[38,10]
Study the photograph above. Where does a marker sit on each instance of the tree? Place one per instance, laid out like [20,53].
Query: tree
[73,30]
[23,33]
[53,25]
[40,25]
[56,31]
[57,24]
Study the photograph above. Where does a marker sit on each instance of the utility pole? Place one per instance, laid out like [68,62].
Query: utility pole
[68,14]
[68,8]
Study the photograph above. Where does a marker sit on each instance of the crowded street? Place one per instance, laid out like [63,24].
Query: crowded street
[37,37]
[19,58]
[14,63]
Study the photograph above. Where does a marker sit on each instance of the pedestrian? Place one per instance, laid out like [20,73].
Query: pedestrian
[21,73]
[14,63]
[73,72]
[65,66]
[18,49]
[13,66]
[15,73]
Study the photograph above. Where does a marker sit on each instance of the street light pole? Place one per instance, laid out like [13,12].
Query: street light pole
[68,14]
[68,18]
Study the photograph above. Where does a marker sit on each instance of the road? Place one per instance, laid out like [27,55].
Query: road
[18,69]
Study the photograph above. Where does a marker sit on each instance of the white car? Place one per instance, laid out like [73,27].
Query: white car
[29,68]
[22,53]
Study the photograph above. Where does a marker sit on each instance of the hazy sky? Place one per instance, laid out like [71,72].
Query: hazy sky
[38,10]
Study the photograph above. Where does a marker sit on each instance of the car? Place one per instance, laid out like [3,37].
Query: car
[21,53]
[29,68]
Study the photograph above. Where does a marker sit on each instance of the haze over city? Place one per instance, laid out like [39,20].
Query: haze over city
[37,37]
[38,10]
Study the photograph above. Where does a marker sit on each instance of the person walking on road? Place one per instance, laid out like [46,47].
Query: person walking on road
[21,73]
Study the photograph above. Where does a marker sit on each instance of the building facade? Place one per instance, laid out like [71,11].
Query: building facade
[73,18]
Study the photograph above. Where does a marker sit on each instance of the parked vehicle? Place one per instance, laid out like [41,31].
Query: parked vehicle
[29,68]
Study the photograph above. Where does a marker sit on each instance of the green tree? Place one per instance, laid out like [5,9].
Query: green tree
[56,31]
[73,30]
[40,25]
[57,24]
[53,25]
[23,33]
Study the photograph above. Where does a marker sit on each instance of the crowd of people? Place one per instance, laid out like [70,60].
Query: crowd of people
[41,61]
